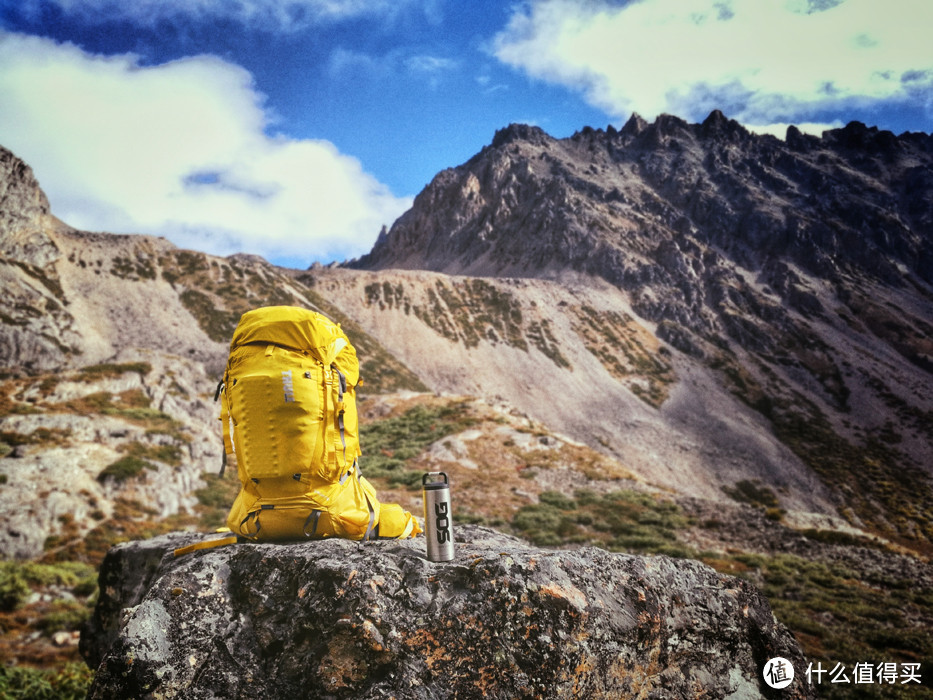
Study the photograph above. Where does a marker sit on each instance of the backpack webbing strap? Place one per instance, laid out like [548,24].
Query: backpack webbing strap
[254,515]
[370,535]
[406,533]
[206,544]
[342,390]
[221,389]
[313,518]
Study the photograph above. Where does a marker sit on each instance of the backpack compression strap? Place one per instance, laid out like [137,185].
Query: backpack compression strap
[206,544]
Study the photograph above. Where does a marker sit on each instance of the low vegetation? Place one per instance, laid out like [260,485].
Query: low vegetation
[45,670]
[620,521]
[628,352]
[882,490]
[216,497]
[389,443]
[844,616]
[839,614]
[69,682]
[473,311]
[111,369]
[755,494]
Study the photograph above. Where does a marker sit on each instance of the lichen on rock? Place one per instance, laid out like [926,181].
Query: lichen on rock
[344,619]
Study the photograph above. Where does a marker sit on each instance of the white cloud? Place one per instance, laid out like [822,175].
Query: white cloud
[761,61]
[429,65]
[348,64]
[180,150]
[780,130]
[269,14]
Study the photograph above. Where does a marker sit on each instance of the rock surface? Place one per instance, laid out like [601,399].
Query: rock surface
[69,432]
[341,619]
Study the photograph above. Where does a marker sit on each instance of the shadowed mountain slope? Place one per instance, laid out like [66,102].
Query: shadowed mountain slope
[799,272]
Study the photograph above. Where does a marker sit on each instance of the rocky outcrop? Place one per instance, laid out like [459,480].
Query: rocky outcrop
[77,443]
[35,331]
[713,230]
[23,205]
[342,619]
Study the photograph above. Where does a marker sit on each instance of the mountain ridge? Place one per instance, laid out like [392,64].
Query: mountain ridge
[799,270]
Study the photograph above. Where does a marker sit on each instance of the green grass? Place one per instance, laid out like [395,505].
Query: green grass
[71,682]
[620,521]
[170,454]
[39,436]
[219,324]
[880,486]
[754,494]
[139,457]
[619,343]
[133,269]
[883,491]
[63,615]
[215,499]
[388,444]
[128,467]
[110,369]
[838,614]
[19,578]
[471,312]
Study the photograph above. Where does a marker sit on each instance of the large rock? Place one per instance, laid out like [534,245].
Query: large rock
[341,619]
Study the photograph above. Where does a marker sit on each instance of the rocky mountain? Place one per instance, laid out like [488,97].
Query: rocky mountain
[670,338]
[795,277]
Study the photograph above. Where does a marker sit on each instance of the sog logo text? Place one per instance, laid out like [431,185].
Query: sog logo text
[287,386]
[442,522]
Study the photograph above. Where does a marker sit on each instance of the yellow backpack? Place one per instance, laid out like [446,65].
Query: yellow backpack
[289,414]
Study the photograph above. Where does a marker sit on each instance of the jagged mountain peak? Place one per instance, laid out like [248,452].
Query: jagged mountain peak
[25,218]
[519,132]
[20,194]
[856,200]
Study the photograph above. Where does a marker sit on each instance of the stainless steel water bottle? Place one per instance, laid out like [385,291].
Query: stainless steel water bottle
[438,523]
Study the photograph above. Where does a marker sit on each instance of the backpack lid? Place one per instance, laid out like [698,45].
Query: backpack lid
[298,329]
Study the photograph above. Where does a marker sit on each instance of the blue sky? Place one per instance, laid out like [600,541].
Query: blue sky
[294,129]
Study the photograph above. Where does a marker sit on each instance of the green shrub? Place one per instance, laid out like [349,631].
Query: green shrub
[169,454]
[753,493]
[13,587]
[64,615]
[17,578]
[842,615]
[388,444]
[617,520]
[109,369]
[128,467]
[71,682]
[558,500]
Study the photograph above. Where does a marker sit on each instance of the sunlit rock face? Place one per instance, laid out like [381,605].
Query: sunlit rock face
[341,619]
